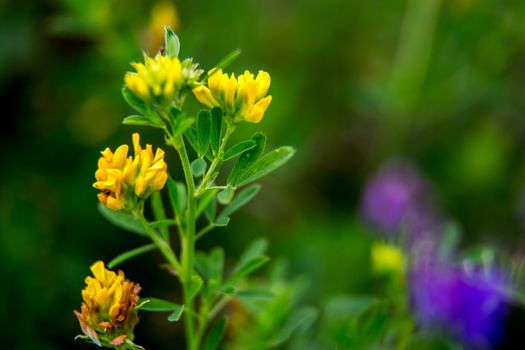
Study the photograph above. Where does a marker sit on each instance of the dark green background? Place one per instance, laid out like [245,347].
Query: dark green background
[354,83]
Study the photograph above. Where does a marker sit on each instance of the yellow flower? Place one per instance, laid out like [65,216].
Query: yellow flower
[241,98]
[125,181]
[387,259]
[107,316]
[158,79]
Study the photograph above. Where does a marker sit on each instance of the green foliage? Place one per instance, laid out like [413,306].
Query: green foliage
[216,129]
[140,120]
[124,221]
[215,336]
[203,131]
[238,149]
[130,254]
[248,158]
[178,197]
[265,165]
[171,42]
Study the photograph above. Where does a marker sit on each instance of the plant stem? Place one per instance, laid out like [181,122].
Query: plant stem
[204,230]
[216,161]
[188,245]
[161,244]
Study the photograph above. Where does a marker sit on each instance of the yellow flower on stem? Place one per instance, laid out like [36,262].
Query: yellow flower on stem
[157,80]
[125,181]
[387,259]
[242,98]
[107,313]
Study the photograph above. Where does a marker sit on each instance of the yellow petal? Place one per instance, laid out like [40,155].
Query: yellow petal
[204,96]
[119,158]
[263,84]
[136,143]
[214,81]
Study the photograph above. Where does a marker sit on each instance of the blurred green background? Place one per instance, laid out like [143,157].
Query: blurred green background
[354,83]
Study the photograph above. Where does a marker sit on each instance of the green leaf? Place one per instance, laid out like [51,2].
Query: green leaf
[203,131]
[141,120]
[171,42]
[302,318]
[227,60]
[222,222]
[163,223]
[225,196]
[252,258]
[238,149]
[202,264]
[175,315]
[247,268]
[178,197]
[213,340]
[255,294]
[216,129]
[119,259]
[179,121]
[159,305]
[256,248]
[211,210]
[135,102]
[229,290]
[191,136]
[248,158]
[240,200]
[159,213]
[124,221]
[205,201]
[217,264]
[198,167]
[195,286]
[268,163]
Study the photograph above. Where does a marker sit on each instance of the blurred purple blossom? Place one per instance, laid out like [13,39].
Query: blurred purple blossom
[398,197]
[472,305]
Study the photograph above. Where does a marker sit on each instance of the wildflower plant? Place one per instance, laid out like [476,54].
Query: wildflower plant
[157,90]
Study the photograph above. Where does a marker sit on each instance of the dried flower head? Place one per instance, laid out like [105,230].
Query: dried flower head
[108,314]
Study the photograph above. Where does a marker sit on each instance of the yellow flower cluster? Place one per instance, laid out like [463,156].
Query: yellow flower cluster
[158,80]
[125,181]
[387,259]
[107,311]
[241,98]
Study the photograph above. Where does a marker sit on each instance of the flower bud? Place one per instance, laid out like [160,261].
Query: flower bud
[157,80]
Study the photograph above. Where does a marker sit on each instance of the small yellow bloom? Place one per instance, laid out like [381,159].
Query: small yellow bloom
[387,259]
[241,98]
[107,316]
[125,181]
[157,80]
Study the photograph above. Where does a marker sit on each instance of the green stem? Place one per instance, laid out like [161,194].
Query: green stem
[216,162]
[204,231]
[218,306]
[159,242]
[203,322]
[188,244]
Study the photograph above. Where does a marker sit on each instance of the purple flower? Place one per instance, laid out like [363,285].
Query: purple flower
[397,197]
[470,305]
